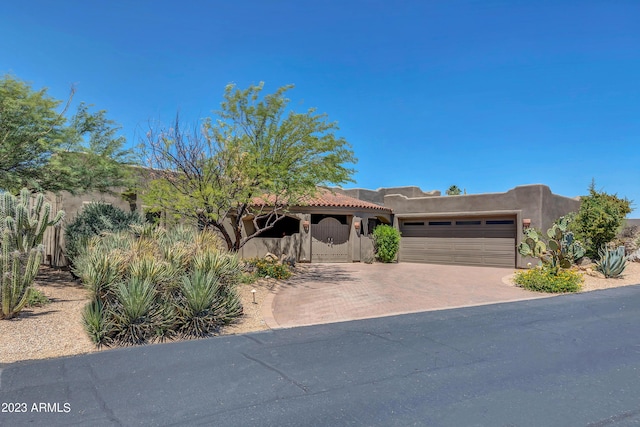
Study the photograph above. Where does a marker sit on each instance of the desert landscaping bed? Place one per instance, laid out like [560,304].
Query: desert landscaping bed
[56,330]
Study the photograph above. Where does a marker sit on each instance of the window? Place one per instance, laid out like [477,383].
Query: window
[439,222]
[414,223]
[500,222]
[286,226]
[469,222]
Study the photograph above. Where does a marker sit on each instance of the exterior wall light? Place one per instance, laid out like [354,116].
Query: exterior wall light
[526,223]
[357,226]
[305,225]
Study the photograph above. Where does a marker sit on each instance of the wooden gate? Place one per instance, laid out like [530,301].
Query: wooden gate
[329,241]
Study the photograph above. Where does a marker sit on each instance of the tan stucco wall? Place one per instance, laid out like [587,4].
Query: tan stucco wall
[377,196]
[72,204]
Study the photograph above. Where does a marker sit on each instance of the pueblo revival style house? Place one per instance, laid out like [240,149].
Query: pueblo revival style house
[336,225]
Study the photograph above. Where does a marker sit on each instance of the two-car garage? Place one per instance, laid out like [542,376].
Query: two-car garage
[486,241]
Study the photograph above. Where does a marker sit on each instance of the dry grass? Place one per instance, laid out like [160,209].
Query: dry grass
[55,330]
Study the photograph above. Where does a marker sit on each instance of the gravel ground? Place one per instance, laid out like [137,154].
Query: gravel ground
[55,330]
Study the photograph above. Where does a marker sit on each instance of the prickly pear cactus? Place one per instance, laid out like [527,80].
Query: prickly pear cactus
[532,245]
[561,249]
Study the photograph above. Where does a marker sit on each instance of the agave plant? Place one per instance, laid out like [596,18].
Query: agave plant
[612,262]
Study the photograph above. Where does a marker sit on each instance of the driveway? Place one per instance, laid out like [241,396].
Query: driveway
[325,293]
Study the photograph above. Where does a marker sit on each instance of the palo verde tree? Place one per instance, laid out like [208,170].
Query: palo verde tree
[43,150]
[252,161]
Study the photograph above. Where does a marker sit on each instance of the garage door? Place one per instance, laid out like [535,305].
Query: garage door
[488,241]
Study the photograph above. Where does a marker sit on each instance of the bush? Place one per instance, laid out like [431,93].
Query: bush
[152,285]
[37,298]
[94,220]
[386,242]
[268,268]
[545,279]
[599,219]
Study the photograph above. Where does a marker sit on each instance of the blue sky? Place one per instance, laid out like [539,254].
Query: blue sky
[486,95]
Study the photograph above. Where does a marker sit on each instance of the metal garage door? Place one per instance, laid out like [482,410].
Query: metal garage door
[488,241]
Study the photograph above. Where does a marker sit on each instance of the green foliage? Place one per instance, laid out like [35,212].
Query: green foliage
[612,262]
[386,242]
[254,157]
[93,220]
[37,298]
[600,218]
[23,221]
[454,190]
[562,250]
[96,323]
[153,284]
[268,268]
[41,149]
[545,279]
[200,307]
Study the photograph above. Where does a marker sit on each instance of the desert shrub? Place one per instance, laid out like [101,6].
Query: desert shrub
[37,298]
[386,242]
[599,219]
[199,307]
[96,322]
[93,220]
[263,267]
[544,279]
[152,285]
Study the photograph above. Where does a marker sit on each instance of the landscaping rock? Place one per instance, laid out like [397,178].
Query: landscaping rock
[271,257]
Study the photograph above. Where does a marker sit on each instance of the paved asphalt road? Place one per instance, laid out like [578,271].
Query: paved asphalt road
[567,361]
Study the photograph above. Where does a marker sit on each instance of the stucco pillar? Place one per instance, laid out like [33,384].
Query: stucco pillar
[304,251]
[354,237]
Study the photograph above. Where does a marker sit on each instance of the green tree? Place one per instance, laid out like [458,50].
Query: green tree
[254,161]
[599,219]
[40,148]
[454,190]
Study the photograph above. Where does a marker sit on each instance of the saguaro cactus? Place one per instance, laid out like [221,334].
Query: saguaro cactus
[26,218]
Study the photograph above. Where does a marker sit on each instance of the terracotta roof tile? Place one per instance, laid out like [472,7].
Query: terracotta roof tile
[326,198]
